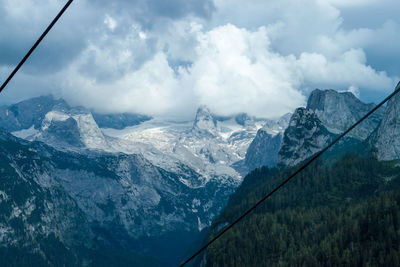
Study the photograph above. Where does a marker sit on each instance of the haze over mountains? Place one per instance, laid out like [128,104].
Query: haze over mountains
[133,183]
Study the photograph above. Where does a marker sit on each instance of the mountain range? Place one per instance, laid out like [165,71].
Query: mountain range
[341,210]
[138,181]
[143,189]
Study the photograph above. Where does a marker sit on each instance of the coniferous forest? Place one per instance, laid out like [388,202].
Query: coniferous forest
[344,212]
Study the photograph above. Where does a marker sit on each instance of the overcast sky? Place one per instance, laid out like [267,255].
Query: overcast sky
[165,58]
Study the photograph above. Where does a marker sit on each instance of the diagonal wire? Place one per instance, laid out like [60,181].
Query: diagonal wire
[35,45]
[305,165]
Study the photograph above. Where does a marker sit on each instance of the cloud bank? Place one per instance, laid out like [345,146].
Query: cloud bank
[167,59]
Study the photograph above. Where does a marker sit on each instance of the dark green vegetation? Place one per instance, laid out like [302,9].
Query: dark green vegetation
[345,213]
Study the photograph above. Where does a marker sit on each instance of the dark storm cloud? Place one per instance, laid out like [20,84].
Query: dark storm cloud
[148,12]
[180,8]
[83,21]
[20,31]
[382,16]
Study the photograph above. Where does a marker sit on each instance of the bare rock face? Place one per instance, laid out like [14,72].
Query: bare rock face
[386,138]
[81,198]
[338,111]
[205,122]
[305,136]
[136,183]
[29,112]
[328,114]
[263,150]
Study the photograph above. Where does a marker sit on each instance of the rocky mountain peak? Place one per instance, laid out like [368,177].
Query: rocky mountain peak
[326,99]
[204,119]
[29,112]
[304,136]
[304,117]
[71,129]
[339,110]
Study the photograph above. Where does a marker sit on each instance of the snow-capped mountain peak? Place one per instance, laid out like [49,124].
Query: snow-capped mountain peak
[204,120]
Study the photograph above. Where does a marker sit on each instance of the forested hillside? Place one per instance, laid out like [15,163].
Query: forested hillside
[344,213]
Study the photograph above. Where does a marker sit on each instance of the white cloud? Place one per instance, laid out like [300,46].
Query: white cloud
[354,90]
[151,90]
[262,58]
[233,70]
[349,69]
[352,3]
[110,22]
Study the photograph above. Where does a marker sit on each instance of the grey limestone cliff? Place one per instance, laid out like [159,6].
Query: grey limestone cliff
[386,138]
[263,150]
[339,110]
[304,136]
[328,113]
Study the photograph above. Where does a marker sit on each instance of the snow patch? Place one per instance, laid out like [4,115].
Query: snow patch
[201,225]
[56,116]
[53,116]
[26,133]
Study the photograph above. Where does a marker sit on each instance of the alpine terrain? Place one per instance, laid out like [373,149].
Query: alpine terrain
[344,209]
[80,188]
[140,188]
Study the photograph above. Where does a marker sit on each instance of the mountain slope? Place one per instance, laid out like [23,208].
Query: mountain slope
[37,218]
[305,136]
[328,114]
[344,209]
[210,144]
[28,113]
[119,121]
[141,187]
[263,150]
[32,112]
[92,200]
[386,137]
[338,111]
[346,213]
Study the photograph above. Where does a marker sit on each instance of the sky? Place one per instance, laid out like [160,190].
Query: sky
[166,58]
